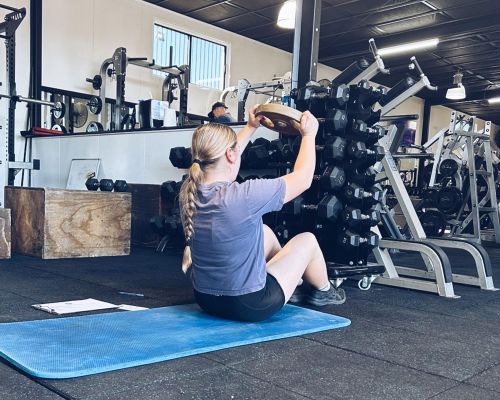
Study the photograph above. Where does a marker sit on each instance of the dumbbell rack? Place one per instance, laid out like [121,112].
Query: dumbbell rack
[438,278]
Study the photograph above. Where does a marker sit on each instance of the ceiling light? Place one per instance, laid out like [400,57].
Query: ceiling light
[426,3]
[458,91]
[403,48]
[494,100]
[286,16]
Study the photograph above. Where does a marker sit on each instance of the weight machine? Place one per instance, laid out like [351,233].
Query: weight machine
[177,77]
[244,87]
[8,164]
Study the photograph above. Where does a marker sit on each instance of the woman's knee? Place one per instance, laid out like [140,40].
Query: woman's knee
[308,239]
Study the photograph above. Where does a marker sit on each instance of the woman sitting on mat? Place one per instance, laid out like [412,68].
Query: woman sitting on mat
[239,269]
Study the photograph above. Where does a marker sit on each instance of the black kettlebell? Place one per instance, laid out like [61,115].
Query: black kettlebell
[92,184]
[106,185]
[121,186]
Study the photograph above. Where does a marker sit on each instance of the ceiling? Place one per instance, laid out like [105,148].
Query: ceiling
[469,33]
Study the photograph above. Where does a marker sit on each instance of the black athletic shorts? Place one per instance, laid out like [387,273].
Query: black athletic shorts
[251,307]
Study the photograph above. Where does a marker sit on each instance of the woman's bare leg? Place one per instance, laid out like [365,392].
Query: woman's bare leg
[300,257]
[271,244]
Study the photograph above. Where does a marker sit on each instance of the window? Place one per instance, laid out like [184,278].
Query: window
[206,59]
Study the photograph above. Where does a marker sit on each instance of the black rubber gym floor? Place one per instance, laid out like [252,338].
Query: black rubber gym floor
[402,344]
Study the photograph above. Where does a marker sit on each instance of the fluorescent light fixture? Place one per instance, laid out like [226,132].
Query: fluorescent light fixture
[286,16]
[494,100]
[426,3]
[457,92]
[403,48]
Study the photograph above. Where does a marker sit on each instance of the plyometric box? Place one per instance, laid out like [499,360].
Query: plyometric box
[5,239]
[58,223]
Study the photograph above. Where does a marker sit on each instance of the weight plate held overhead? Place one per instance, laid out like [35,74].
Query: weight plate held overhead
[280,118]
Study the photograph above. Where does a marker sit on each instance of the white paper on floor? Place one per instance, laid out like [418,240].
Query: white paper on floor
[74,306]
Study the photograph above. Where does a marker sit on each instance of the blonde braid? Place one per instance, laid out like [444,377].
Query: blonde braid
[210,142]
[188,197]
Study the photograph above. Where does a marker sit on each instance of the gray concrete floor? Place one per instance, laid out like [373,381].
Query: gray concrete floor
[402,344]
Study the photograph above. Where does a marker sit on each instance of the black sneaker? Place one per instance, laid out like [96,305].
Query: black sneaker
[322,298]
[300,294]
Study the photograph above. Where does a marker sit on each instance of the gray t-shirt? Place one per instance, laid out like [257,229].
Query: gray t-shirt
[228,244]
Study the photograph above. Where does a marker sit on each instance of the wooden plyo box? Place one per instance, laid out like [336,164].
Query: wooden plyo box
[5,241]
[58,223]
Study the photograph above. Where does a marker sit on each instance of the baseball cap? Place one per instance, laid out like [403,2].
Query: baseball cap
[218,104]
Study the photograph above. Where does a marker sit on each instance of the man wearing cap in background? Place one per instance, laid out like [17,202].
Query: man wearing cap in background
[219,113]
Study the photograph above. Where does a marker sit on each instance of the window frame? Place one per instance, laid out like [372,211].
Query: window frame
[190,37]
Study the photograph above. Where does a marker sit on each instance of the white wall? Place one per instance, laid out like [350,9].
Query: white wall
[137,158]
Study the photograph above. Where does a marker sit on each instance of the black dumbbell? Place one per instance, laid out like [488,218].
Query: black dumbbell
[281,150]
[361,131]
[354,218]
[178,186]
[168,190]
[92,184]
[355,193]
[121,185]
[366,179]
[359,151]
[165,225]
[334,122]
[338,95]
[371,239]
[361,157]
[348,238]
[328,208]
[244,154]
[333,149]
[180,157]
[257,156]
[106,185]
[263,151]
[366,94]
[313,94]
[332,179]
[359,111]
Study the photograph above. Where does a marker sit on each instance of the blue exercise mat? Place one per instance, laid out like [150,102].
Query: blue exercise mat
[78,346]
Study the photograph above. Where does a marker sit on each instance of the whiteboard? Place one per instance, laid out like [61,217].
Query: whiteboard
[80,170]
